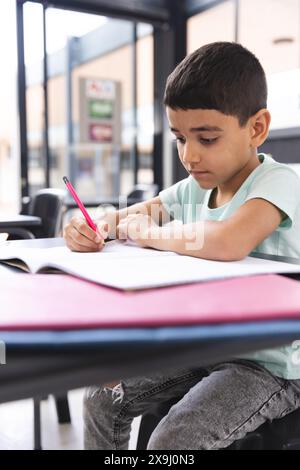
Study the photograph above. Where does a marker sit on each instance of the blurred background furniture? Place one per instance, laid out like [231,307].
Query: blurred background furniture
[48,206]
[19,226]
[139,193]
[41,216]
[142,192]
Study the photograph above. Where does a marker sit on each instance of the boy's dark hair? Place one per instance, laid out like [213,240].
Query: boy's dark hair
[224,76]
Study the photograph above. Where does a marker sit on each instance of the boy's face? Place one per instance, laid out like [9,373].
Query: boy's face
[211,145]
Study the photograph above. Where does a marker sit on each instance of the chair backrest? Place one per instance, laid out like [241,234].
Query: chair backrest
[48,204]
[143,191]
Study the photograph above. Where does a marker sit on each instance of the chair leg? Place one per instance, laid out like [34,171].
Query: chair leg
[147,425]
[62,409]
[37,434]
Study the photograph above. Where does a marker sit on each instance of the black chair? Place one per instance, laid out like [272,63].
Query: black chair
[63,417]
[139,193]
[143,192]
[48,204]
[151,419]
[280,434]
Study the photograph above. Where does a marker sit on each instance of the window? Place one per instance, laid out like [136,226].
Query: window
[9,155]
[271,30]
[91,130]
[214,24]
[274,36]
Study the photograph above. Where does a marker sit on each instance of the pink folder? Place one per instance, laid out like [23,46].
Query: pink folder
[63,302]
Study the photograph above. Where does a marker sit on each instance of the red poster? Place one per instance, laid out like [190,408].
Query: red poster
[100,133]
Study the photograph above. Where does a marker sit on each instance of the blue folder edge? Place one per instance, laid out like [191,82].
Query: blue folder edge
[287,330]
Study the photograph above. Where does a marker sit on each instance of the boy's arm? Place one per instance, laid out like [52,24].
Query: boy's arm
[80,237]
[228,240]
[152,208]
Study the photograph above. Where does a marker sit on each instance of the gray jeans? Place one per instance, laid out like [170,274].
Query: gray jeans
[220,404]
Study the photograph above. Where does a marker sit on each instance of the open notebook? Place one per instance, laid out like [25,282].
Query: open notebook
[127,266]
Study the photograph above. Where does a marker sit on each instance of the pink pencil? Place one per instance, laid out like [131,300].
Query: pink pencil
[80,205]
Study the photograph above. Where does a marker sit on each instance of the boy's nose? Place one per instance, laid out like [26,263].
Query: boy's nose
[191,155]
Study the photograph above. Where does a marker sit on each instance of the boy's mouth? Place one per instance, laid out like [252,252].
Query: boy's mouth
[199,173]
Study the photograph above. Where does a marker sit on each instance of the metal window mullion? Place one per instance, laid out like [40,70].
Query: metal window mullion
[22,99]
[45,90]
[135,153]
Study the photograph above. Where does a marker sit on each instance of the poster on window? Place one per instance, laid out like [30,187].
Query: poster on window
[100,111]
[100,133]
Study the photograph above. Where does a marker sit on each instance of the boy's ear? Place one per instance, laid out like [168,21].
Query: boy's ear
[259,127]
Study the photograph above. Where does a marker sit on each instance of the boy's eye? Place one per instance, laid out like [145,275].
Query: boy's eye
[208,141]
[203,141]
[179,139]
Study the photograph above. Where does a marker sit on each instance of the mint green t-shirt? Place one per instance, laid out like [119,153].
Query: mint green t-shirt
[275,182]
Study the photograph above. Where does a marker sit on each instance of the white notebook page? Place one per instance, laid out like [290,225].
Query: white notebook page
[131,267]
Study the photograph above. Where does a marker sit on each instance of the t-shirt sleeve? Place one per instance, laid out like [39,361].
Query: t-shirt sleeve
[281,187]
[172,198]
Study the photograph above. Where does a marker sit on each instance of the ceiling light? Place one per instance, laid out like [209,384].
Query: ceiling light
[283,40]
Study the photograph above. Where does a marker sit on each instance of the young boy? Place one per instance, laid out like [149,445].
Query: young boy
[234,202]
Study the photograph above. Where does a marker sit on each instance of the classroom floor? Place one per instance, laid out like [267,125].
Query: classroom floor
[16,425]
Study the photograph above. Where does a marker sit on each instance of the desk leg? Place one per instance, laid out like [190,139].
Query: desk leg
[62,409]
[37,424]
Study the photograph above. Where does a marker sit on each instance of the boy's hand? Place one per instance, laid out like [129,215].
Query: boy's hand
[79,236]
[135,227]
